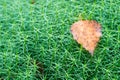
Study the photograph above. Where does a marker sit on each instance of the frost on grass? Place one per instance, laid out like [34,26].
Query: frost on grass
[87,33]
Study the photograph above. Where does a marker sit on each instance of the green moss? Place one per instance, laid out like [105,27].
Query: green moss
[40,32]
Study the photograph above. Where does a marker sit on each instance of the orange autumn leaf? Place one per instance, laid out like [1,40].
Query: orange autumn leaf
[87,33]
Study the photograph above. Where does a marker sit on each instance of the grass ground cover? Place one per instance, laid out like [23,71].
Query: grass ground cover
[40,33]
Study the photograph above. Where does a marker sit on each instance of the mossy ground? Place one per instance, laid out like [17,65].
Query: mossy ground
[39,31]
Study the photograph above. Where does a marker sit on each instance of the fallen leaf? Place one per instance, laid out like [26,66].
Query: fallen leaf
[87,33]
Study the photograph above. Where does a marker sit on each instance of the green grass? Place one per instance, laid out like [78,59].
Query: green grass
[40,32]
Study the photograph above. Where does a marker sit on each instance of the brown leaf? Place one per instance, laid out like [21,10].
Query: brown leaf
[87,33]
